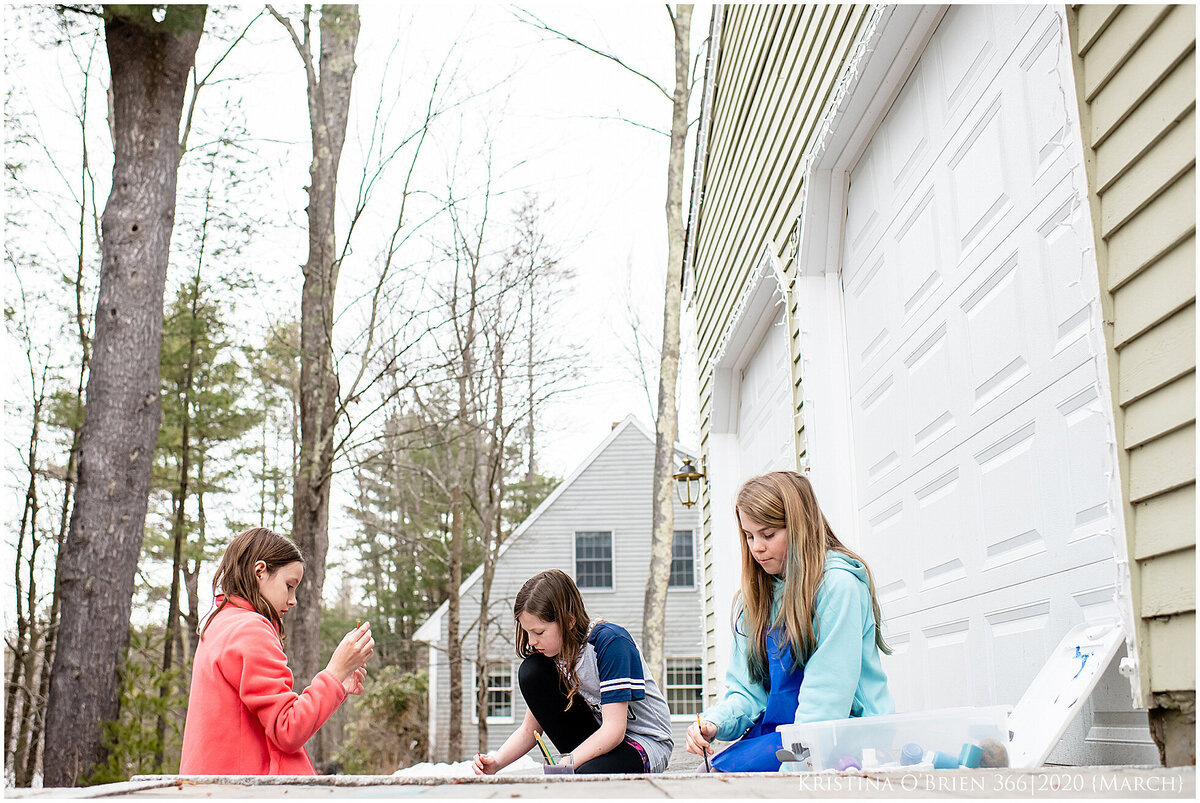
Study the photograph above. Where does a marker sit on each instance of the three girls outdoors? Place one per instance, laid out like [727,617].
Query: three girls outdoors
[807,639]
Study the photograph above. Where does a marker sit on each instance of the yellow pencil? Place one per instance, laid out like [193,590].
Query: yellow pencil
[538,737]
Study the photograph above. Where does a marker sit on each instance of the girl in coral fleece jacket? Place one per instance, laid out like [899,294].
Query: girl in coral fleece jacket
[243,716]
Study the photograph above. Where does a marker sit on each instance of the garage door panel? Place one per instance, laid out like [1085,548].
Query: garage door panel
[981,177]
[1000,352]
[1086,435]
[940,513]
[905,135]
[1043,99]
[930,370]
[965,49]
[875,317]
[923,273]
[1061,255]
[881,453]
[1009,470]
[863,197]
[1016,638]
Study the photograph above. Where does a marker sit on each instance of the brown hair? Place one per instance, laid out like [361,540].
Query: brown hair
[235,573]
[785,499]
[552,596]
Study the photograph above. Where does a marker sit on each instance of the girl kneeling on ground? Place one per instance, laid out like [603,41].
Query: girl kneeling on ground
[586,687]
[243,717]
[806,634]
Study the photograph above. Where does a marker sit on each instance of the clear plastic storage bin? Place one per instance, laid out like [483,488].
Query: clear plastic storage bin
[882,740]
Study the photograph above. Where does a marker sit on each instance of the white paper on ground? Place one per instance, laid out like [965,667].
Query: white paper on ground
[460,769]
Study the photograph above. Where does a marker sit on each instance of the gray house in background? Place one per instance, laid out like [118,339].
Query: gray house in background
[596,527]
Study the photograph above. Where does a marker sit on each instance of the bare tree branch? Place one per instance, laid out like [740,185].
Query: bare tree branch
[532,20]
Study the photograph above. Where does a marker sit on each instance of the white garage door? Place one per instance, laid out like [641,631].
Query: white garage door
[766,425]
[979,432]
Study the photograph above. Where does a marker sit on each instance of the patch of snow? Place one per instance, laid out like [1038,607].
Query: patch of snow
[459,769]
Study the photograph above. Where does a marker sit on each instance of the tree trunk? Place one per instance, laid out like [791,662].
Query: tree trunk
[328,110]
[458,530]
[191,572]
[178,531]
[453,621]
[491,527]
[667,426]
[149,63]
[14,688]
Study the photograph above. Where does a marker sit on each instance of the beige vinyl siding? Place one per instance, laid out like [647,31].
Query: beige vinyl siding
[776,70]
[612,493]
[1136,80]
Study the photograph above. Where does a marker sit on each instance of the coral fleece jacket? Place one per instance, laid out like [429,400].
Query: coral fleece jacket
[243,717]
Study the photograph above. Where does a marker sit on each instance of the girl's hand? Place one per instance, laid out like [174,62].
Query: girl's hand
[699,736]
[356,647]
[354,683]
[484,764]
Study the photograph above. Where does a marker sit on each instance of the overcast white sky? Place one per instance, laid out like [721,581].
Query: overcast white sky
[605,178]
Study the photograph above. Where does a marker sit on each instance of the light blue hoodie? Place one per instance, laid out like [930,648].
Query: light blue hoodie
[842,678]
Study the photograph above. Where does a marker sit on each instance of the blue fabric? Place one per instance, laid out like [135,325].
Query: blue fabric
[618,663]
[755,752]
[843,676]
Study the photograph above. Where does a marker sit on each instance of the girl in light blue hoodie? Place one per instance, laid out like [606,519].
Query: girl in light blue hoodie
[806,632]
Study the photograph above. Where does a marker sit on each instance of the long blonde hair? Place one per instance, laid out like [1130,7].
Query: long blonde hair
[785,499]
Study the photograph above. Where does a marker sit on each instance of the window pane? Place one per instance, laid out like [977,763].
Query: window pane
[499,694]
[682,560]
[593,559]
[685,686]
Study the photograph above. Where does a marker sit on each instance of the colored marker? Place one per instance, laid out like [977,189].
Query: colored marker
[538,737]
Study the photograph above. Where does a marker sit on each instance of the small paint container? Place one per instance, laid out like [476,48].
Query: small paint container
[944,761]
[970,756]
[911,754]
[848,762]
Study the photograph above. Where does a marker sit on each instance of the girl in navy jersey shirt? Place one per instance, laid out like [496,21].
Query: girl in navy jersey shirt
[586,686]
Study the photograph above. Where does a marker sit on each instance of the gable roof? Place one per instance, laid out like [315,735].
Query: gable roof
[430,629]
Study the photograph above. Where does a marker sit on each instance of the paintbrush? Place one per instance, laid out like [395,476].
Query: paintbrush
[704,750]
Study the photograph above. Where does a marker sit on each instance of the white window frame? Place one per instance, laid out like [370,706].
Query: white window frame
[695,563]
[612,534]
[666,696]
[512,690]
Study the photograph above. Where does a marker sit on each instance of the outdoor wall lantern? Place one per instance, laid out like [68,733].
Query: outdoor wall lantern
[687,483]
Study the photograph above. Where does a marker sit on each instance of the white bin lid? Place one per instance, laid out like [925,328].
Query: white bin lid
[1059,691]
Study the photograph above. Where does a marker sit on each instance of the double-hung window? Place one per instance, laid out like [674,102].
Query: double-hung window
[683,560]
[594,559]
[499,694]
[684,686]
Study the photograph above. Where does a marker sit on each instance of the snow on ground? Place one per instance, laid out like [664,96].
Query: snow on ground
[522,766]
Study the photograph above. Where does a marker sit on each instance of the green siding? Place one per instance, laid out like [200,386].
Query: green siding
[1137,88]
[776,71]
